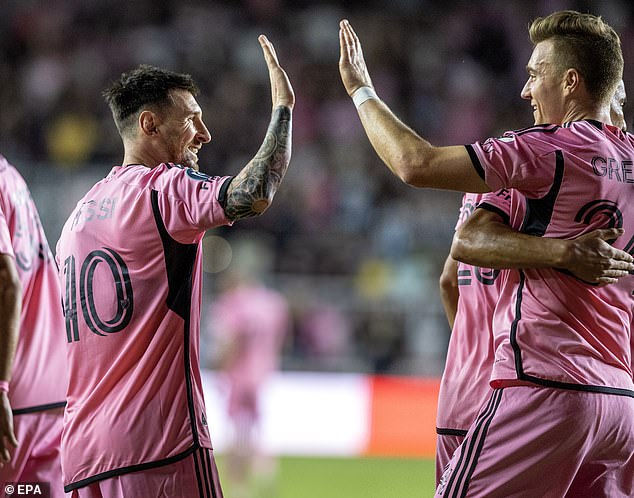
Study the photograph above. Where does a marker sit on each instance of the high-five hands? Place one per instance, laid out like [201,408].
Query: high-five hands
[281,89]
[352,68]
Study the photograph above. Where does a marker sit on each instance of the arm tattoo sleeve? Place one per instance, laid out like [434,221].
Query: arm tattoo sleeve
[252,190]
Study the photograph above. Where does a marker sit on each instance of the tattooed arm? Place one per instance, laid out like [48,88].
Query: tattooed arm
[251,191]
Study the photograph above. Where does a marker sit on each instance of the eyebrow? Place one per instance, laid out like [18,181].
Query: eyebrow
[534,68]
[193,110]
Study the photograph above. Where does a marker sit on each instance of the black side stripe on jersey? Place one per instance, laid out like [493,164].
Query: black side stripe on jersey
[471,448]
[518,316]
[39,408]
[540,211]
[443,431]
[519,368]
[179,264]
[130,468]
[494,209]
[475,160]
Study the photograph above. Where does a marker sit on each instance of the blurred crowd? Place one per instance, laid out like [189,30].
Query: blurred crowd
[356,253]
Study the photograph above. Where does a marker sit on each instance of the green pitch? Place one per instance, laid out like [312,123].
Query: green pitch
[355,478]
[350,478]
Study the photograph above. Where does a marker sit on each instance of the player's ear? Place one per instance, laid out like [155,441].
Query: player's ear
[148,123]
[572,80]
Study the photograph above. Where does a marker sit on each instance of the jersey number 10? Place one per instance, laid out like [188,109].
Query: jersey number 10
[122,288]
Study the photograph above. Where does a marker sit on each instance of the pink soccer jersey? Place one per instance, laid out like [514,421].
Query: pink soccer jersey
[550,328]
[130,264]
[254,319]
[38,381]
[465,382]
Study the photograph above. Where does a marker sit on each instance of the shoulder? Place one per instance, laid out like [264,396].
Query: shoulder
[162,176]
[536,141]
[522,135]
[10,177]
[175,173]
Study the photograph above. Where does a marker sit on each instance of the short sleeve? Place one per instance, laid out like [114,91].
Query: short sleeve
[190,202]
[510,205]
[498,202]
[523,161]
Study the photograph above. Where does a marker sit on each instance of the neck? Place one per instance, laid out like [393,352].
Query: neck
[135,154]
[598,112]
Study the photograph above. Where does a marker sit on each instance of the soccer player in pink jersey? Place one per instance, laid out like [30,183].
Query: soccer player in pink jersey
[32,359]
[464,384]
[130,263]
[248,322]
[560,420]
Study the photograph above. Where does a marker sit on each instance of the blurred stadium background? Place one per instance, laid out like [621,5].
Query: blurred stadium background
[357,253]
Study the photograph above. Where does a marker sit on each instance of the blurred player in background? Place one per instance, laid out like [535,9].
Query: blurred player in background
[561,415]
[130,262]
[32,357]
[465,381]
[248,325]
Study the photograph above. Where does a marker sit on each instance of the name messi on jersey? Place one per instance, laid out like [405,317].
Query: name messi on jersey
[619,170]
[91,210]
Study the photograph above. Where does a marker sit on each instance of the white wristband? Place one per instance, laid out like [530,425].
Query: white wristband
[362,94]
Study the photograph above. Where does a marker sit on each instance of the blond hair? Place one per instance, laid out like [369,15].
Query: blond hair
[586,43]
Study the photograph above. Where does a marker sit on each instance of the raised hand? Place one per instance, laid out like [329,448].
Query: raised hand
[281,89]
[352,68]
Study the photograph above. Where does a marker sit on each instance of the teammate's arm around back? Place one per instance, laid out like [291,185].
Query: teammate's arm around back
[485,240]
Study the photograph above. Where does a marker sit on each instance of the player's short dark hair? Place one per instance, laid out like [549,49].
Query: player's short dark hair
[586,43]
[143,87]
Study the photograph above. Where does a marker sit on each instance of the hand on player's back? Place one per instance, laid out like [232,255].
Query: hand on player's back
[594,260]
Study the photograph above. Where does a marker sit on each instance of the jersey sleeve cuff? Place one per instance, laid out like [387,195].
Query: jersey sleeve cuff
[494,209]
[475,160]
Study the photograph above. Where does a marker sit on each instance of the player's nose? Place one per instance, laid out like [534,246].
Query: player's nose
[203,134]
[526,91]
